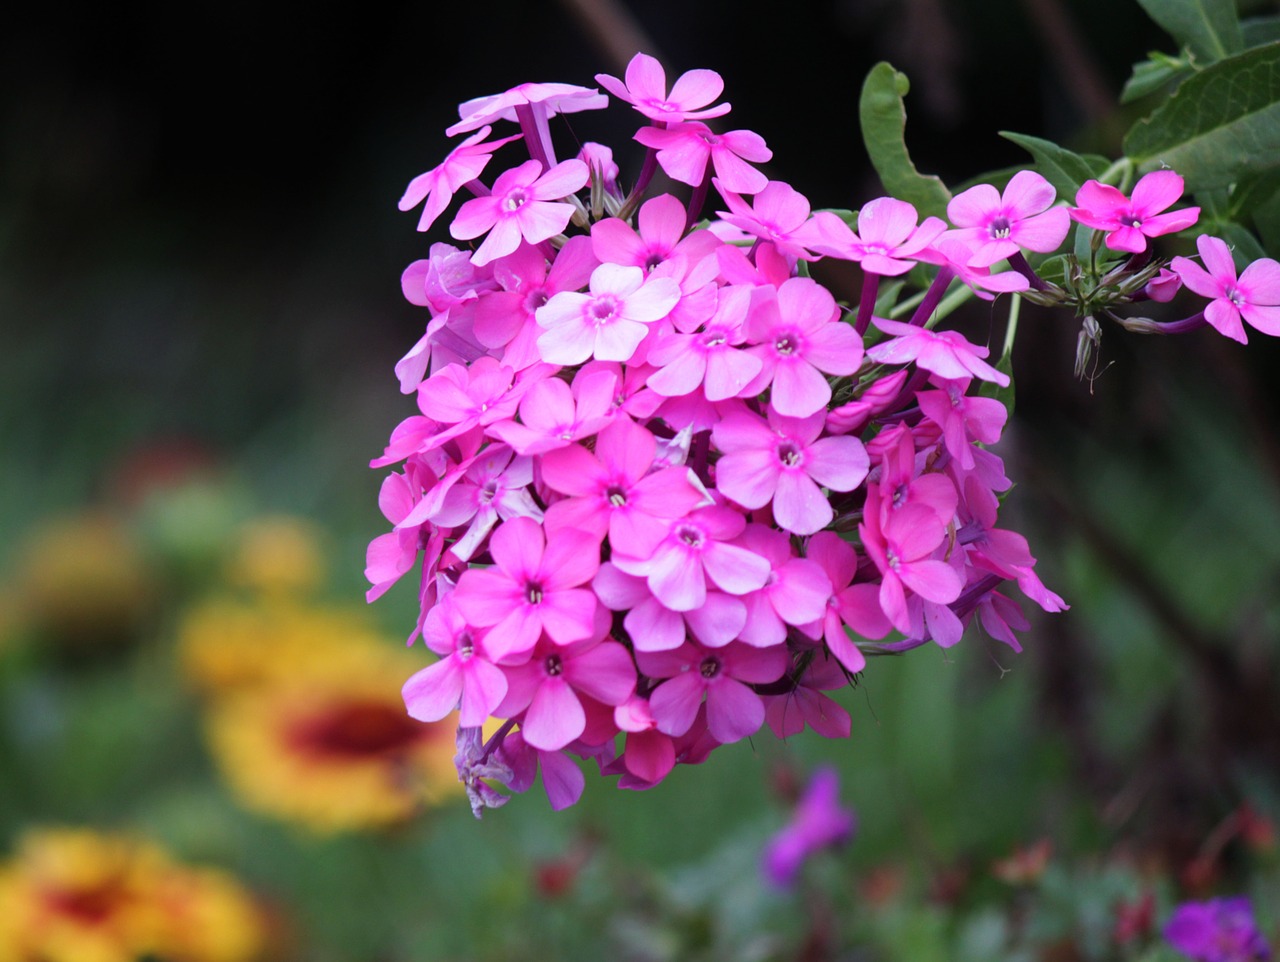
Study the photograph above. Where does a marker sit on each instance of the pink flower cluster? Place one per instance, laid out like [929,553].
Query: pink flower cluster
[662,489]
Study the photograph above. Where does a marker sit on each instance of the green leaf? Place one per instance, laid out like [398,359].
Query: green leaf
[1221,124]
[883,117]
[1152,74]
[1067,171]
[1260,30]
[1208,27]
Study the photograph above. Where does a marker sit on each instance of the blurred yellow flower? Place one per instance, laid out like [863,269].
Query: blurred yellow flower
[278,555]
[74,895]
[328,744]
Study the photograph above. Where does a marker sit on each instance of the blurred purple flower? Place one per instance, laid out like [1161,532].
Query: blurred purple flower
[817,823]
[1220,930]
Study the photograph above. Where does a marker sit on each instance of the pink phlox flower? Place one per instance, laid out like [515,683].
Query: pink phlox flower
[600,162]
[438,185]
[615,489]
[798,337]
[661,232]
[955,253]
[445,279]
[1129,223]
[551,417]
[796,592]
[962,417]
[945,353]
[903,552]
[525,204]
[699,292]
[562,779]
[998,224]
[684,150]
[696,549]
[1000,616]
[889,238]
[1163,287]
[504,319]
[464,678]
[391,555]
[856,606]
[646,90]
[902,481]
[767,268]
[709,359]
[784,462]
[1007,554]
[805,704]
[653,627]
[777,214]
[546,688]
[648,755]
[1254,296]
[608,323]
[819,822]
[461,398]
[723,676]
[532,587]
[875,399]
[494,486]
[548,98]
[632,396]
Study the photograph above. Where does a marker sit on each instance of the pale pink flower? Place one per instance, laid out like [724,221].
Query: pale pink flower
[609,323]
[1254,296]
[800,338]
[685,149]
[548,98]
[1129,222]
[646,90]
[438,185]
[783,461]
[945,353]
[998,225]
[531,588]
[722,675]
[525,203]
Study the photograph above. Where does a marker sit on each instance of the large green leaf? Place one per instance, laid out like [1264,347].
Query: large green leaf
[884,120]
[1209,28]
[1220,125]
[1067,171]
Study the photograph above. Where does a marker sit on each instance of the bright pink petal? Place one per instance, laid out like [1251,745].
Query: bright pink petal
[555,717]
[675,702]
[734,711]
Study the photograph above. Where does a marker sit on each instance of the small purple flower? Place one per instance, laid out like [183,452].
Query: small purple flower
[1220,930]
[817,823]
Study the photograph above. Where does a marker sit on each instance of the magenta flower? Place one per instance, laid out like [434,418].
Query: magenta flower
[531,588]
[962,417]
[800,338]
[779,214]
[609,323]
[944,353]
[784,462]
[646,90]
[548,99]
[547,686]
[818,822]
[684,150]
[525,203]
[999,224]
[1129,223]
[494,486]
[438,185]
[710,359]
[1254,296]
[888,239]
[854,605]
[614,490]
[652,627]
[694,550]
[662,232]
[464,677]
[553,418]
[1220,930]
[795,594]
[723,676]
